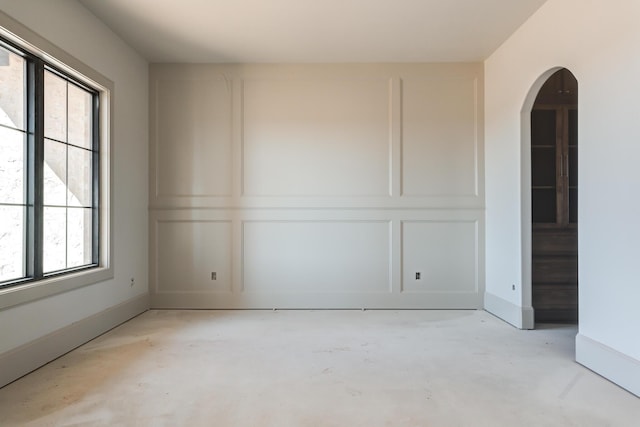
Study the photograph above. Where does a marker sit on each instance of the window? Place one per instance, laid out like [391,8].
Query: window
[69,198]
[50,170]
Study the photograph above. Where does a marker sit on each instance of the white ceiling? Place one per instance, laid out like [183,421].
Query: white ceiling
[314,30]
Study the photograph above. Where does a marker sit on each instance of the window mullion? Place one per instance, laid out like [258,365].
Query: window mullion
[30,166]
[37,100]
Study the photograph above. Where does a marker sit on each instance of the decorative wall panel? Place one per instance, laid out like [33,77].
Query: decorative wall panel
[316,186]
[192,137]
[317,137]
[440,136]
[193,256]
[439,256]
[316,256]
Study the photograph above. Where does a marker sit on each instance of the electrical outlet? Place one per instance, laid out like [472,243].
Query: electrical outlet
[513,287]
[132,282]
[418,275]
[214,275]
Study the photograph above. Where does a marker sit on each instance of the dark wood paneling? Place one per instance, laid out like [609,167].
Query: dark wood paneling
[554,241]
[552,315]
[555,269]
[555,296]
[555,274]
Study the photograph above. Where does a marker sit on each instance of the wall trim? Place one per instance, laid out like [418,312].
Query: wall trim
[617,367]
[32,355]
[520,317]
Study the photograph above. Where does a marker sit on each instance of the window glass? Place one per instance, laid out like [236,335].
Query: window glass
[80,117]
[12,89]
[55,107]
[79,237]
[12,166]
[11,242]
[12,150]
[55,239]
[68,175]
[55,173]
[79,183]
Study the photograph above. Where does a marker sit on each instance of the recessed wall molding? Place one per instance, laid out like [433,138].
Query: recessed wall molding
[192,256]
[316,256]
[316,137]
[191,137]
[347,135]
[441,133]
[440,256]
[316,185]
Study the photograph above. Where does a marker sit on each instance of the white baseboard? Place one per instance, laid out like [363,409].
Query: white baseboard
[32,355]
[611,364]
[520,317]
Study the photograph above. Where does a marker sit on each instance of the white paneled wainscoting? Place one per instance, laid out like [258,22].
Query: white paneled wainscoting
[317,186]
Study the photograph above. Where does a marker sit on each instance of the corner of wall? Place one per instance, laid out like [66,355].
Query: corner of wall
[520,317]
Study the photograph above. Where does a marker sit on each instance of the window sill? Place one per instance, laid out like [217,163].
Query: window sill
[29,292]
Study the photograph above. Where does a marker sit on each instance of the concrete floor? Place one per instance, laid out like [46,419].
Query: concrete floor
[319,368]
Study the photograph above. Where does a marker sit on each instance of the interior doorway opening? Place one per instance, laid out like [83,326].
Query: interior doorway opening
[554,200]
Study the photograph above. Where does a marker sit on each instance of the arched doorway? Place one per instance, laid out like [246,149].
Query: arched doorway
[554,200]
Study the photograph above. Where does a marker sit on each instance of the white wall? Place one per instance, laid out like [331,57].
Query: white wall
[72,28]
[322,186]
[597,40]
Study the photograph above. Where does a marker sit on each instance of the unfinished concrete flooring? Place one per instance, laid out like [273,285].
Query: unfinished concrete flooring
[319,368]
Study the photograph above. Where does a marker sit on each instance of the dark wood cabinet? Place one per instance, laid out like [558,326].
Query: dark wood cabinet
[554,200]
[554,165]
